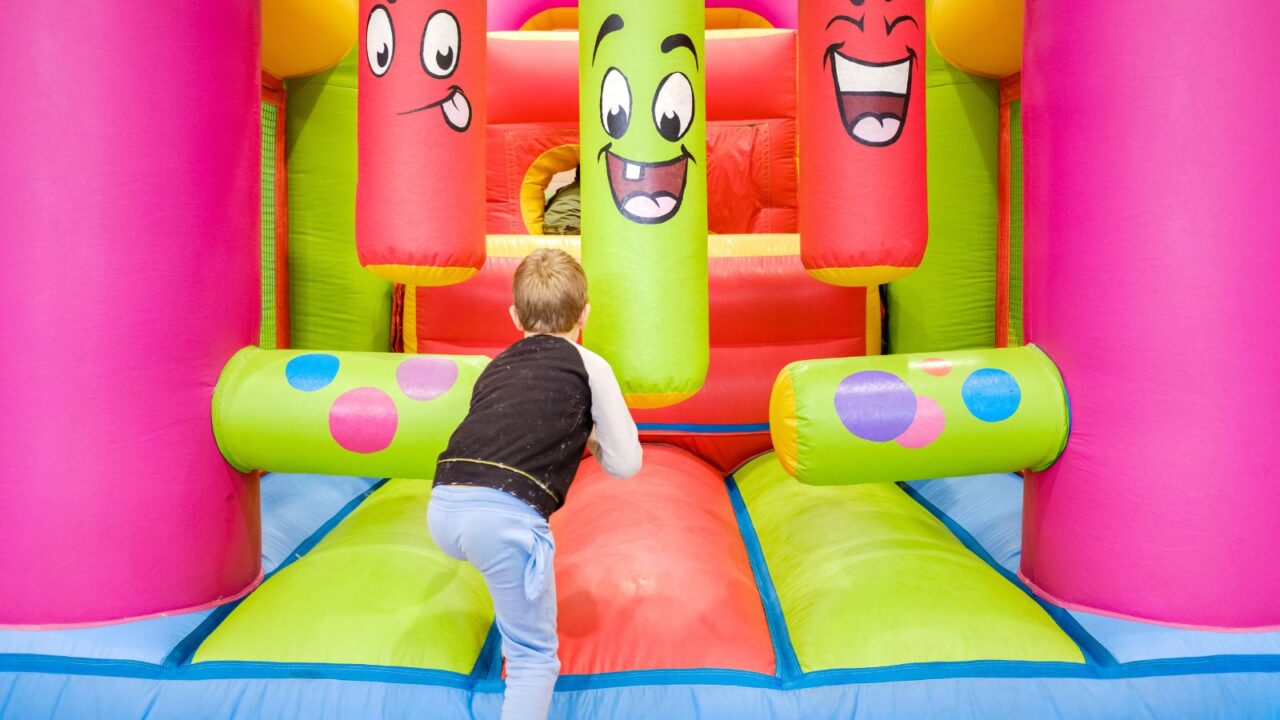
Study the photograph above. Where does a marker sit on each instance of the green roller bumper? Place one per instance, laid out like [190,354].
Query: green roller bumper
[341,413]
[914,417]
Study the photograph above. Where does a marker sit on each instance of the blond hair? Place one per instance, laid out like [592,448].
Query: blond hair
[549,291]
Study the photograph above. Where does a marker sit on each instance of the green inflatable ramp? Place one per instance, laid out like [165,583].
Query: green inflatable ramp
[375,591]
[866,577]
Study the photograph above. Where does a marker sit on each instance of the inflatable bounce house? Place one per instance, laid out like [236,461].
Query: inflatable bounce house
[949,328]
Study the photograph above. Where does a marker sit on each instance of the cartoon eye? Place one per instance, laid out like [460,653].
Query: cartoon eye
[673,106]
[379,40]
[615,103]
[441,44]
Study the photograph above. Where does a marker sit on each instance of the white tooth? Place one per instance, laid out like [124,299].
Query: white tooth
[854,76]
[632,172]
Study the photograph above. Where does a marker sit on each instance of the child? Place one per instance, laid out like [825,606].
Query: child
[509,465]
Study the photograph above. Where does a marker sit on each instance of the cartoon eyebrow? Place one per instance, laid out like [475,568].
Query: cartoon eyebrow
[613,23]
[889,26]
[845,18]
[680,40]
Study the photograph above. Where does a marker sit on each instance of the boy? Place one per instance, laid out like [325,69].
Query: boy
[509,464]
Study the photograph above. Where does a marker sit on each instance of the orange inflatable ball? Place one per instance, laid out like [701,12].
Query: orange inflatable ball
[983,37]
[304,37]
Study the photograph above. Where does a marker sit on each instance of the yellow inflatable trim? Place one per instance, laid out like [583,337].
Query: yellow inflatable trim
[533,188]
[782,421]
[646,401]
[860,276]
[718,246]
[427,276]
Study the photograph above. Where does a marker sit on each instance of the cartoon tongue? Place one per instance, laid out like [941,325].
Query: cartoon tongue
[457,111]
[649,206]
[875,130]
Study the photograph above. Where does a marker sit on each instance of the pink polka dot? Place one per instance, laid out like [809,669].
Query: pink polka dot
[363,420]
[936,367]
[927,426]
[426,378]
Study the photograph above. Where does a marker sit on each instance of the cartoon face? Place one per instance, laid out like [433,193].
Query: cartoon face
[435,37]
[874,50]
[646,109]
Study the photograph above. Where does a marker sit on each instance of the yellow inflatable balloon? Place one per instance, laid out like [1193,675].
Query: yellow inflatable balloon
[304,37]
[983,37]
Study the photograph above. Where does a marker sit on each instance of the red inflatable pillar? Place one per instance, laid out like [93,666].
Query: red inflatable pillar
[1151,266]
[129,239]
[864,216]
[421,119]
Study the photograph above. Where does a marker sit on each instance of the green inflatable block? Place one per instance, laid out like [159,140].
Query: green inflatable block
[949,302]
[333,302]
[868,578]
[375,591]
[341,413]
[913,417]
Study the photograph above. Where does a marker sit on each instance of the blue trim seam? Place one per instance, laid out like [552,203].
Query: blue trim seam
[1094,652]
[784,652]
[186,648]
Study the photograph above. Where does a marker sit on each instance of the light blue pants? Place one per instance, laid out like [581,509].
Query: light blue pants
[511,545]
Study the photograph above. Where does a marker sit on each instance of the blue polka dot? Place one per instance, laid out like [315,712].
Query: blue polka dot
[991,395]
[311,372]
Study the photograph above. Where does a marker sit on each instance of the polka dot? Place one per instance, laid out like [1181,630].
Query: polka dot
[928,424]
[426,378]
[312,371]
[875,405]
[936,367]
[363,420]
[991,395]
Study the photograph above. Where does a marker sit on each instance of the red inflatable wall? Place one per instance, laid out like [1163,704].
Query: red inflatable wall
[765,313]
[751,124]
[765,309]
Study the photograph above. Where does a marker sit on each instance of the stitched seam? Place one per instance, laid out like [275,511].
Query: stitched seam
[508,468]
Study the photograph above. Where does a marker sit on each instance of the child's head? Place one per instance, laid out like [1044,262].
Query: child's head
[549,293]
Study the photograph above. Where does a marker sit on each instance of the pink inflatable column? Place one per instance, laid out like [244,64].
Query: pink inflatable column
[1152,267]
[129,232]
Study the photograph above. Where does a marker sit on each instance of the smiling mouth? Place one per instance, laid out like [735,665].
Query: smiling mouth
[872,97]
[648,193]
[454,107]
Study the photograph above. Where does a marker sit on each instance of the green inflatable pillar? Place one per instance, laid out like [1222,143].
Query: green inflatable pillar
[341,413]
[644,193]
[914,417]
[333,301]
[949,302]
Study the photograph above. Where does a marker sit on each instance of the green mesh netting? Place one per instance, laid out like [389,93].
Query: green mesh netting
[1015,224]
[267,333]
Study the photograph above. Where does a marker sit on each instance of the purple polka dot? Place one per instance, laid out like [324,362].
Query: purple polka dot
[363,420]
[875,405]
[426,378]
[928,425]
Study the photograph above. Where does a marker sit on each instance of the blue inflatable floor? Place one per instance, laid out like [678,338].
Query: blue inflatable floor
[1132,670]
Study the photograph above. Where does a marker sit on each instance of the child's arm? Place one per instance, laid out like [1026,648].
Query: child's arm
[614,441]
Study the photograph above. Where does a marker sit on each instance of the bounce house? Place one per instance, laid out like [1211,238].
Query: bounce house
[946,326]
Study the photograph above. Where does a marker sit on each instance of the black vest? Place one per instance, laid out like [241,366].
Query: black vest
[527,427]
